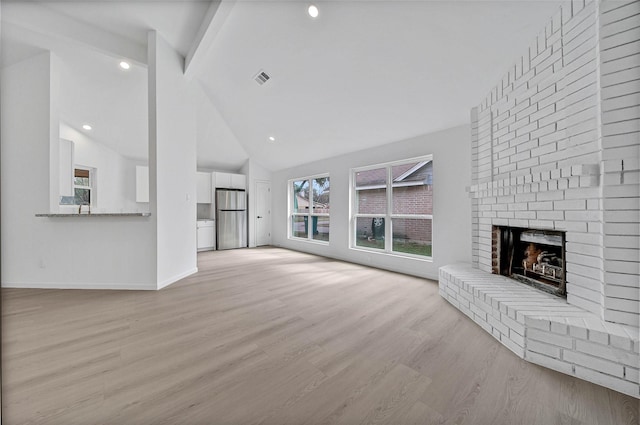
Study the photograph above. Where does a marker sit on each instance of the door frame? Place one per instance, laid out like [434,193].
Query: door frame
[255,231]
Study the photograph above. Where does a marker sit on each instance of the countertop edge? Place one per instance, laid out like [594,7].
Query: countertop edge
[143,214]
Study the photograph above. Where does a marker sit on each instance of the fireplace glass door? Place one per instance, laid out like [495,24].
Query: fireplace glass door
[535,257]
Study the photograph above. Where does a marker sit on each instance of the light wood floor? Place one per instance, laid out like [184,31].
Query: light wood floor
[270,336]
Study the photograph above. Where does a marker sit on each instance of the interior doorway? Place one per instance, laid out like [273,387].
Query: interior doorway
[263,213]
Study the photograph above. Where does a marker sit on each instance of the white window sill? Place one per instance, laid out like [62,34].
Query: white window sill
[311,241]
[393,254]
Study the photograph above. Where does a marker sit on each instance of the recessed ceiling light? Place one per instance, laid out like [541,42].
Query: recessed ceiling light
[313,11]
[125,65]
[272,139]
[86,127]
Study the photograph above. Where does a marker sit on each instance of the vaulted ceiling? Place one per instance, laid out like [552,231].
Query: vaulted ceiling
[361,74]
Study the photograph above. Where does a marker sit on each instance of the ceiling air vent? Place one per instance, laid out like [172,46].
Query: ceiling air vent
[261,77]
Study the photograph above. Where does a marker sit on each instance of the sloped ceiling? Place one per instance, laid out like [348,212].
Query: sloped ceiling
[362,74]
[177,20]
[93,89]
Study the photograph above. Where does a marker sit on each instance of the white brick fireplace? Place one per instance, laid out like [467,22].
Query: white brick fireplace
[556,146]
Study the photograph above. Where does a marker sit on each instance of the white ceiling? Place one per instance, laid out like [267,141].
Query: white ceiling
[93,88]
[363,73]
[177,20]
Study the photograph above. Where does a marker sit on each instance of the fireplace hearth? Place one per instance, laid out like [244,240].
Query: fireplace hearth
[531,256]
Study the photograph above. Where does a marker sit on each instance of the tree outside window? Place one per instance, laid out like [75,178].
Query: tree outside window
[310,208]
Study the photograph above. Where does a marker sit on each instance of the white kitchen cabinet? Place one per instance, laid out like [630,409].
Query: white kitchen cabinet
[66,167]
[206,235]
[238,181]
[203,190]
[223,180]
[230,181]
[142,183]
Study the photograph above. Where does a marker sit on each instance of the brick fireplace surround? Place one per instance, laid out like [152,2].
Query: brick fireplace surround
[556,146]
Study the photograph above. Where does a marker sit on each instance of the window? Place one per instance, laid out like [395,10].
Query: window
[82,186]
[309,208]
[392,207]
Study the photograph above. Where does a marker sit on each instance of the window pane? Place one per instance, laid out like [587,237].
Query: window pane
[373,201]
[321,195]
[81,181]
[80,173]
[370,232]
[299,226]
[371,192]
[412,189]
[368,178]
[301,196]
[412,236]
[82,196]
[419,172]
[413,199]
[320,228]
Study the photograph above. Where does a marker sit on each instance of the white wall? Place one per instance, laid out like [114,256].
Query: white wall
[172,162]
[451,151]
[218,148]
[115,175]
[97,252]
[129,189]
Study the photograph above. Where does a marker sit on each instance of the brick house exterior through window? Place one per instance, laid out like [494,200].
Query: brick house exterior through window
[393,207]
[309,208]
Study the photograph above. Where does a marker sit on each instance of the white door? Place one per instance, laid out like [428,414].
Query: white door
[263,213]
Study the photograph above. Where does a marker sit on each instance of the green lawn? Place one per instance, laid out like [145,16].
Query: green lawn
[412,248]
[399,245]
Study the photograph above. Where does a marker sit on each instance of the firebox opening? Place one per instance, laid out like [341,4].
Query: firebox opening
[531,256]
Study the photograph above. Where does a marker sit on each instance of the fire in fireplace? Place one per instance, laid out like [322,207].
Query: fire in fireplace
[534,257]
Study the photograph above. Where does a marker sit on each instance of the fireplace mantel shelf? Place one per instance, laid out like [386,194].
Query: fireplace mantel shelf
[577,176]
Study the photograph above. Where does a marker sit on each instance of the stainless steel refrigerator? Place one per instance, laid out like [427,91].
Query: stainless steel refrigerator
[231,218]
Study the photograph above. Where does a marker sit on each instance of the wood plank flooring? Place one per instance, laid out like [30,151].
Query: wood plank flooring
[270,336]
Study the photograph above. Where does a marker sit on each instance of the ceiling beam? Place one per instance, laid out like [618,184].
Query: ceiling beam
[213,21]
[55,26]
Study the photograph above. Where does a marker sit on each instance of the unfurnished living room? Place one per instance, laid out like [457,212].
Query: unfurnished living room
[320,212]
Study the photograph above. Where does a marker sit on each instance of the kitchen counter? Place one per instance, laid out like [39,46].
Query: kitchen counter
[138,214]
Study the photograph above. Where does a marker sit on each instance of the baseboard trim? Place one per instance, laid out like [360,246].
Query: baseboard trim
[100,286]
[176,278]
[76,285]
[349,259]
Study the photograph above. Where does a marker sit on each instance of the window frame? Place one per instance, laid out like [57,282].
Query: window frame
[388,215]
[91,187]
[310,214]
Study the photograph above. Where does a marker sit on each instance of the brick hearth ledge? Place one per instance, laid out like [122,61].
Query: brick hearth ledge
[544,329]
